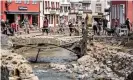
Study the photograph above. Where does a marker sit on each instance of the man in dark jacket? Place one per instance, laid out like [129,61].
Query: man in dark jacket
[105,22]
[128,24]
[70,27]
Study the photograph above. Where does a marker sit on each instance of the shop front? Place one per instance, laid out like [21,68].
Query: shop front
[17,12]
[21,14]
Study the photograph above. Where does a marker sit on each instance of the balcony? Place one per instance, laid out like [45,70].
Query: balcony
[87,11]
[85,1]
[52,12]
[73,11]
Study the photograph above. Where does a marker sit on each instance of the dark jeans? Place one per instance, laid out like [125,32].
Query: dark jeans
[71,30]
[95,29]
[45,30]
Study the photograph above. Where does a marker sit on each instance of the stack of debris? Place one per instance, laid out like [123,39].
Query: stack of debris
[102,62]
[16,66]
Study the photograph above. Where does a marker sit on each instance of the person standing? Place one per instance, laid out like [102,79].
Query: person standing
[70,27]
[99,26]
[95,27]
[14,27]
[105,22]
[127,22]
[26,25]
[45,26]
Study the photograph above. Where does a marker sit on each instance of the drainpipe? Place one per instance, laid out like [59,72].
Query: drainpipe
[43,6]
[110,13]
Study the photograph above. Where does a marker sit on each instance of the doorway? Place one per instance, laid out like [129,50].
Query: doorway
[10,17]
[35,19]
[21,17]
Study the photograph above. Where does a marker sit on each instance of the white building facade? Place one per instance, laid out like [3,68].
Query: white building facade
[51,10]
[64,11]
[75,13]
[86,7]
[98,9]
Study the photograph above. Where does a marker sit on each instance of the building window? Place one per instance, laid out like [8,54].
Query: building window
[53,5]
[98,8]
[52,19]
[9,1]
[68,0]
[48,5]
[45,4]
[61,9]
[34,1]
[65,9]
[57,19]
[98,0]
[26,1]
[18,1]
[118,11]
[63,0]
[56,5]
[115,11]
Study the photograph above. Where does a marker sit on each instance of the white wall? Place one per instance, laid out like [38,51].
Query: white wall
[41,13]
[46,11]
[104,5]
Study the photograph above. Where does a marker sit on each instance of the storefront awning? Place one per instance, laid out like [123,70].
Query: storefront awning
[16,12]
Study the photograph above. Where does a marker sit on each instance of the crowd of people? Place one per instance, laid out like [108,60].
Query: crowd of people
[7,28]
[11,29]
[100,26]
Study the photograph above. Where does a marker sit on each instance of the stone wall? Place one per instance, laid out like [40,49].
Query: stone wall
[15,67]
[4,73]
[44,39]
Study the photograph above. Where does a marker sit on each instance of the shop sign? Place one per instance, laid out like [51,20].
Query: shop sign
[22,8]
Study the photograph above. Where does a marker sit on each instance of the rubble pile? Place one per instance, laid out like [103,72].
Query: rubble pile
[102,62]
[17,66]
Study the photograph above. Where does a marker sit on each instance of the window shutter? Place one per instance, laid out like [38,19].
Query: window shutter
[51,5]
[56,5]
[45,4]
[48,5]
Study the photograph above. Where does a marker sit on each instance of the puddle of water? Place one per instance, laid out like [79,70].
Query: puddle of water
[46,56]
[50,55]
